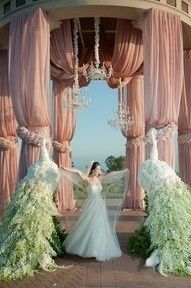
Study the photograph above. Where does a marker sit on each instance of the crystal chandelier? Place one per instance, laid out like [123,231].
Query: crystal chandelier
[123,120]
[77,99]
[95,72]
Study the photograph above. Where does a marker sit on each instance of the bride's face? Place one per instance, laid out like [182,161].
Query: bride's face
[97,171]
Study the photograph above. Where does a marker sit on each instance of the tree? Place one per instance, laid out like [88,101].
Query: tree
[115,163]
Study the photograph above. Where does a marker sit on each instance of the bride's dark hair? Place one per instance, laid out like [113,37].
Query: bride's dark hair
[94,165]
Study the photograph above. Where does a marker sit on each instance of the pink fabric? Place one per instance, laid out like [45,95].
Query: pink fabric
[29,77]
[133,95]
[65,122]
[163,73]
[128,52]
[8,151]
[127,59]
[184,122]
[61,54]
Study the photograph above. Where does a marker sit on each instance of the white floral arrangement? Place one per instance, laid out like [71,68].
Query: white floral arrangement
[169,220]
[23,252]
[26,234]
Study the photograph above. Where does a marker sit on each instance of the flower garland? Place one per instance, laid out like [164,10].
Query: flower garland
[33,138]
[6,144]
[76,60]
[95,72]
[163,133]
[96,47]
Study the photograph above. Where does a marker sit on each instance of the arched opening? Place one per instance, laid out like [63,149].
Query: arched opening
[94,139]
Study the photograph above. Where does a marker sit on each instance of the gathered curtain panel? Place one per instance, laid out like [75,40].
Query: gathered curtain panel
[133,96]
[184,123]
[8,137]
[163,76]
[128,53]
[65,124]
[29,66]
[62,73]
[126,62]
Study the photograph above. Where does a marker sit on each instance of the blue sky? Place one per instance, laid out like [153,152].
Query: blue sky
[94,139]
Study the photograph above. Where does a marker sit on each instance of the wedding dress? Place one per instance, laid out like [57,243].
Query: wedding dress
[94,233]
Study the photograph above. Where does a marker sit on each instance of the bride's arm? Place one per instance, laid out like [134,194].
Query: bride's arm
[76,172]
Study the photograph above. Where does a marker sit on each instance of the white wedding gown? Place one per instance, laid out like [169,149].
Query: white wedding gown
[92,235]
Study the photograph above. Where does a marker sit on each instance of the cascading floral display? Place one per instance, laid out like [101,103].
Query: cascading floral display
[28,237]
[169,217]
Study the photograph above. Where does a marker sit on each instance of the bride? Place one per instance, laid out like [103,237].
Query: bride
[93,235]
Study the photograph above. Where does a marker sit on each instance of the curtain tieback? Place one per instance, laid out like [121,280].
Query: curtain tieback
[7,143]
[184,138]
[33,135]
[131,143]
[61,147]
[163,133]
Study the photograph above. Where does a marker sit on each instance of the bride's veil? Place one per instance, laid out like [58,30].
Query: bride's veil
[114,186]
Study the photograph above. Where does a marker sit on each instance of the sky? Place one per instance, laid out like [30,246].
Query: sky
[94,139]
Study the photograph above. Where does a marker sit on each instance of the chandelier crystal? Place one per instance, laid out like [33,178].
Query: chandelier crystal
[123,120]
[77,99]
[95,72]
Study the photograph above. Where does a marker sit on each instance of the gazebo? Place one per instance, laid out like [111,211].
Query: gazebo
[148,45]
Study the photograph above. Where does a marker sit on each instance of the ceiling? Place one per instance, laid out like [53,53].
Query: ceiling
[87,32]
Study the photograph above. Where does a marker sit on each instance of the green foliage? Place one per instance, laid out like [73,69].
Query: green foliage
[139,244]
[79,193]
[58,237]
[112,191]
[115,163]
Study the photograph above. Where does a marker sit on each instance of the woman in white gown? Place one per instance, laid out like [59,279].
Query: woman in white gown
[93,235]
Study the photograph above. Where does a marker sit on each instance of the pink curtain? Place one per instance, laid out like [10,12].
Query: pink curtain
[128,52]
[133,96]
[61,53]
[184,123]
[8,139]
[65,123]
[29,77]
[127,59]
[163,75]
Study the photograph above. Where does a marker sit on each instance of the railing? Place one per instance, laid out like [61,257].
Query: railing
[7,7]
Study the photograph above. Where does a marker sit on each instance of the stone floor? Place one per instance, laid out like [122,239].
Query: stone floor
[124,272]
